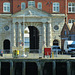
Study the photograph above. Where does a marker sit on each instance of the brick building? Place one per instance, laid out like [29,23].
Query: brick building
[64,35]
[67,34]
[72,32]
[44,18]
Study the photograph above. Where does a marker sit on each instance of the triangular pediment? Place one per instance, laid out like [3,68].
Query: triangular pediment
[31,12]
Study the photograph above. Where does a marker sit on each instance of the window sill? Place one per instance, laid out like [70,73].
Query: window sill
[56,12]
[6,12]
[71,12]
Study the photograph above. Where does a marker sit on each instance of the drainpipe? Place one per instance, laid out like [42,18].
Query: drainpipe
[66,11]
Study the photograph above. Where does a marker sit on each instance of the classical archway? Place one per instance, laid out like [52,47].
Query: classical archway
[34,39]
[55,42]
[6,45]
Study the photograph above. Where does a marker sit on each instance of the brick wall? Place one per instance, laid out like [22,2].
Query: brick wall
[48,7]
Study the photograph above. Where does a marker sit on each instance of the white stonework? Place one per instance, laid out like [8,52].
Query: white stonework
[31,17]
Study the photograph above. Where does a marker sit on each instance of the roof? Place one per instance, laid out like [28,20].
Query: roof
[72,31]
[65,27]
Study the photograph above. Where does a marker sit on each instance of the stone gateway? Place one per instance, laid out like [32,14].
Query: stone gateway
[44,28]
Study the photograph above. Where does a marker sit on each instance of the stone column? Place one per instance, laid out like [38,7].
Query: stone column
[54,68]
[49,36]
[0,68]
[68,68]
[40,68]
[14,35]
[23,32]
[40,42]
[19,32]
[23,68]
[44,34]
[11,68]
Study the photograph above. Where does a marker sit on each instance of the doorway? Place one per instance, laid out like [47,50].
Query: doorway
[6,45]
[34,39]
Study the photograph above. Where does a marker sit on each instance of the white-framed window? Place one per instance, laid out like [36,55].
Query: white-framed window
[70,21]
[27,42]
[23,6]
[55,7]
[6,7]
[71,7]
[31,3]
[39,5]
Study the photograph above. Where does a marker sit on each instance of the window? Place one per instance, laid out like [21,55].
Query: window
[27,42]
[6,7]
[23,6]
[39,5]
[71,7]
[55,7]
[71,21]
[55,42]
[31,3]
[56,27]
[6,28]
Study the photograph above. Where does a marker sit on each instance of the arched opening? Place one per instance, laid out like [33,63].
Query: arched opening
[6,45]
[48,68]
[34,39]
[61,68]
[5,68]
[18,68]
[55,42]
[31,68]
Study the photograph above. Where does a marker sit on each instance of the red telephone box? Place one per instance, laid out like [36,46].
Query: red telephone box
[47,51]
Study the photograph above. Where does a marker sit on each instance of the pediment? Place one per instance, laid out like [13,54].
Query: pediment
[31,12]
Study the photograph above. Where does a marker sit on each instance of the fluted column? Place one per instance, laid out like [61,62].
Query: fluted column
[19,32]
[49,34]
[44,34]
[14,35]
[23,32]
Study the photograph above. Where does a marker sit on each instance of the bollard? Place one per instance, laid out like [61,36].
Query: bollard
[56,53]
[52,55]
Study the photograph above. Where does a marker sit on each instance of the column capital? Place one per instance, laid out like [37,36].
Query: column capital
[43,22]
[19,22]
[49,21]
[13,22]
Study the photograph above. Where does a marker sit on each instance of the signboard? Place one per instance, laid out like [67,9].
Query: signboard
[47,51]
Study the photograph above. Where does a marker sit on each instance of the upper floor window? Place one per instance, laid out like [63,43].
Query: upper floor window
[71,21]
[6,7]
[55,7]
[39,5]
[31,3]
[23,6]
[71,7]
